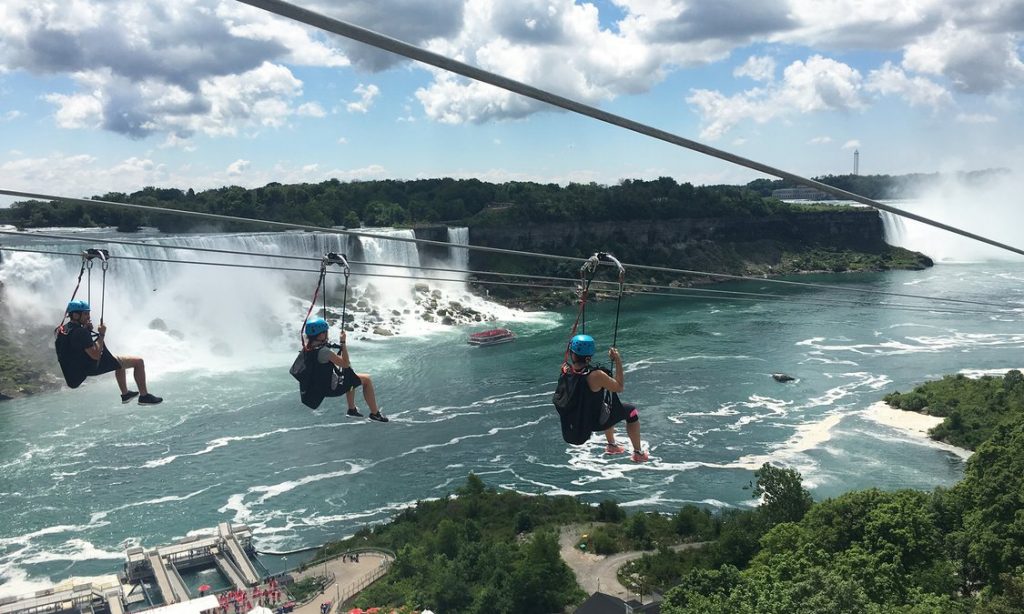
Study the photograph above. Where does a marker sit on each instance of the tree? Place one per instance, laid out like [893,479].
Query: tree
[784,497]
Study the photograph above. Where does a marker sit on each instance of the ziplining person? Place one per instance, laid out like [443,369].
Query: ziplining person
[83,353]
[331,374]
[599,397]
[586,396]
[323,373]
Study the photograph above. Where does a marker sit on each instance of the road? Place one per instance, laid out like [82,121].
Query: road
[595,572]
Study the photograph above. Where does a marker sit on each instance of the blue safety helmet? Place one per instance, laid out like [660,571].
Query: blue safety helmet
[316,326]
[78,307]
[582,345]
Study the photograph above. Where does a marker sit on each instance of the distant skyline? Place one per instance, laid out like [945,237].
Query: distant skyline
[115,95]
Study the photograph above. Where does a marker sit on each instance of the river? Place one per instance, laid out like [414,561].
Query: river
[83,476]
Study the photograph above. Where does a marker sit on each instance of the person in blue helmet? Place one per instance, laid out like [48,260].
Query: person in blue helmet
[590,399]
[331,374]
[83,353]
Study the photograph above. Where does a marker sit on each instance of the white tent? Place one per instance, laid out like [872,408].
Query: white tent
[260,610]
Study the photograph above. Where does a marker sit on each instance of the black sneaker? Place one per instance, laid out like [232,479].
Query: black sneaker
[128,396]
[148,399]
[378,417]
[354,413]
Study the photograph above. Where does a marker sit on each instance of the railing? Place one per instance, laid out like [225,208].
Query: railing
[354,588]
[381,551]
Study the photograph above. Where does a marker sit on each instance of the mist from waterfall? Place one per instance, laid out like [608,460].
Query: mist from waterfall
[184,316]
[990,209]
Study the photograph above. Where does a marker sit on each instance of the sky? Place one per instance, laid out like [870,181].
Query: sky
[116,95]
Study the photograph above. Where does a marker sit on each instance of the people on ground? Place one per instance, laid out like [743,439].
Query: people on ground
[587,399]
[332,374]
[83,353]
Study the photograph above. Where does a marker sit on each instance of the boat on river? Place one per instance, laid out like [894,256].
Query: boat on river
[493,336]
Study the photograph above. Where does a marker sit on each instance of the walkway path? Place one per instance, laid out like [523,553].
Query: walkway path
[595,572]
[347,574]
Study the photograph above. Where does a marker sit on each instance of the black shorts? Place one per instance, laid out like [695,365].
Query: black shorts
[349,380]
[619,411]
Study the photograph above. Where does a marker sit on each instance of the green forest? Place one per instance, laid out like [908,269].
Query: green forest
[426,201]
[955,550]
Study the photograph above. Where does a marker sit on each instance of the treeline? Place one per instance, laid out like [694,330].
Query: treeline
[398,203]
[972,408]
[882,186]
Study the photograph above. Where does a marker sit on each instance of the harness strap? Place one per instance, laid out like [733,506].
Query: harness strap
[587,273]
[329,258]
[316,293]
[78,284]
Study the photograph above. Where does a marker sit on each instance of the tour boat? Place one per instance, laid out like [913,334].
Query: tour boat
[492,337]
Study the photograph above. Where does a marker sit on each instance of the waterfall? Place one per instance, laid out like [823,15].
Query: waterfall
[987,208]
[459,256]
[192,316]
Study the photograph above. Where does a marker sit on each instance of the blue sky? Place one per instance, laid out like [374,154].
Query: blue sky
[115,95]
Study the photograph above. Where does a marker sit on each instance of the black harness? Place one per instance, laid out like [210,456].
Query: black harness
[75,364]
[580,410]
[317,380]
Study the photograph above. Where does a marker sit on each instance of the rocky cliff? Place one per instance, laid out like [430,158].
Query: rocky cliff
[847,239]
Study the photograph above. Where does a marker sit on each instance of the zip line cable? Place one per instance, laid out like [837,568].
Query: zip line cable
[291,226]
[515,275]
[512,275]
[693,293]
[380,41]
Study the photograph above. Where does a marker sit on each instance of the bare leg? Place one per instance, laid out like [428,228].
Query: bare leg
[609,434]
[633,430]
[138,367]
[122,380]
[369,395]
[350,396]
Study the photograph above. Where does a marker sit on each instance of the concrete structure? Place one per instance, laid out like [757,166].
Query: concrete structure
[229,550]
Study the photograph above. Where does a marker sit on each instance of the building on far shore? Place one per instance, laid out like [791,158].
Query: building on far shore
[801,193]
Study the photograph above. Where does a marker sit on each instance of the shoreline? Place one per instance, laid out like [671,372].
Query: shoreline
[911,423]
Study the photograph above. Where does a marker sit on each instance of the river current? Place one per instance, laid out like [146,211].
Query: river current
[83,476]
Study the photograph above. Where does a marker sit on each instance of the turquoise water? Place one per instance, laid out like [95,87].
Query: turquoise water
[82,476]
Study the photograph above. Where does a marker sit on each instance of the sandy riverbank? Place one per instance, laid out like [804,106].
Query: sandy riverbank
[910,423]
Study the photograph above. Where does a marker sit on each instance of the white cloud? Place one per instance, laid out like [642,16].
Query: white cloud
[78,175]
[142,68]
[238,167]
[758,68]
[851,144]
[10,115]
[819,84]
[976,118]
[917,91]
[311,109]
[342,140]
[975,62]
[820,140]
[367,94]
[77,110]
